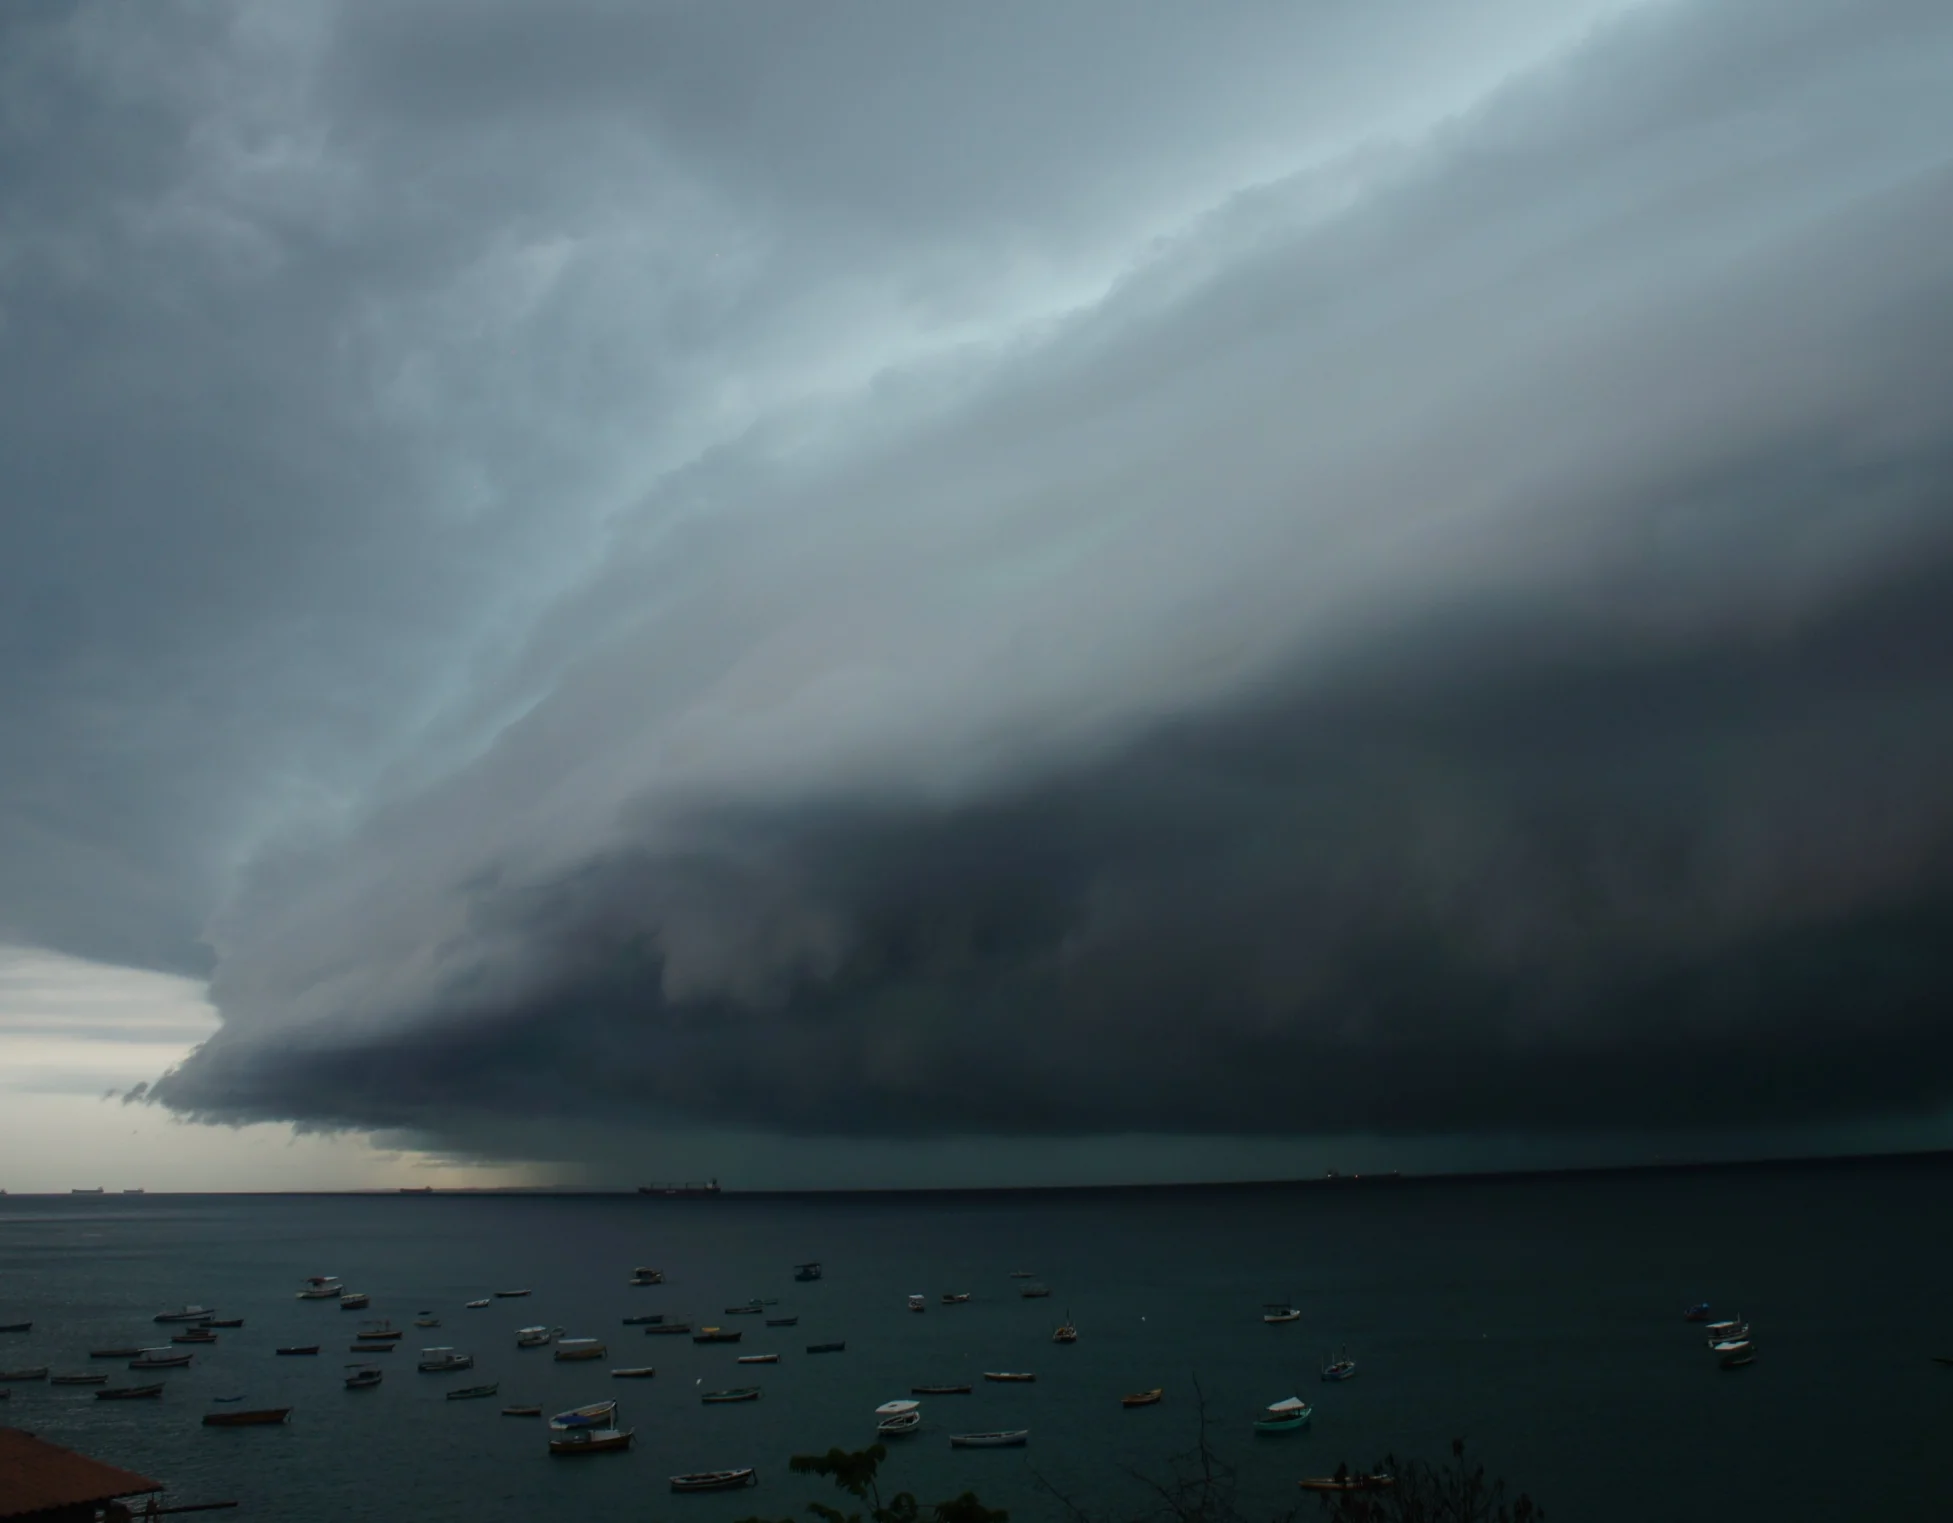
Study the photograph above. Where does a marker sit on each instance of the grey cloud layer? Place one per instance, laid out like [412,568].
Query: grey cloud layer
[1450,638]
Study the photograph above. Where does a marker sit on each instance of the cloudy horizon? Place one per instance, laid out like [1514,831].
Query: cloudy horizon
[991,596]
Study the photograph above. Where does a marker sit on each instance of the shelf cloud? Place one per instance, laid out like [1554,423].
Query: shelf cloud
[1008,574]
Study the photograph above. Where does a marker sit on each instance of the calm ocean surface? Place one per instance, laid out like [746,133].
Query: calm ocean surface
[1538,1318]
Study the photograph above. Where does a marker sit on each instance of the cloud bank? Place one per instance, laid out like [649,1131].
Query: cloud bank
[1019,576]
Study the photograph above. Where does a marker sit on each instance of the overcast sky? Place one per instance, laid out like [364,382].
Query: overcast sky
[874,593]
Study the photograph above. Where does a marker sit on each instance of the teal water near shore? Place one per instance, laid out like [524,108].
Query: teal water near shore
[1538,1317]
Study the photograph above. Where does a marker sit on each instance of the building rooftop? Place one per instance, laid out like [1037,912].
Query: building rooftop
[39,1477]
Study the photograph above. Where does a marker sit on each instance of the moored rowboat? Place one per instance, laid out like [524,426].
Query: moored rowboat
[715,1480]
[1143,1398]
[591,1441]
[1014,1438]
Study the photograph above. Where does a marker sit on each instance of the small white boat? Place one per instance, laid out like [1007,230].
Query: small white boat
[1279,1311]
[599,1414]
[1282,1416]
[1013,1438]
[1718,1331]
[477,1305]
[900,1423]
[364,1377]
[897,1408]
[1731,1332]
[757,1359]
[591,1441]
[570,1349]
[353,1300]
[321,1287]
[1736,1353]
[159,1359]
[536,1337]
[635,1372]
[955,1297]
[435,1361]
[918,1302]
[187,1314]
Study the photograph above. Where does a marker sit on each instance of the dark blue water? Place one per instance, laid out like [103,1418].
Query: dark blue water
[1537,1318]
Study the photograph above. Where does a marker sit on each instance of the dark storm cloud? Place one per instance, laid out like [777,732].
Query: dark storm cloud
[1016,573]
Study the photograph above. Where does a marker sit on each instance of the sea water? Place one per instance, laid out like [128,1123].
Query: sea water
[1537,1318]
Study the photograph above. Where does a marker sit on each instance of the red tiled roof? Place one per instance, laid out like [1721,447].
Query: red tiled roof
[38,1477]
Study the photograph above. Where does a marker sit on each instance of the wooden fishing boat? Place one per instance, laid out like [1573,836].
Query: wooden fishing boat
[1276,1312]
[826,1348]
[364,1377]
[113,1353]
[598,1414]
[473,1393]
[752,1308]
[476,1305]
[354,1300]
[634,1372]
[1008,1375]
[955,1297]
[160,1359]
[296,1348]
[1341,1482]
[321,1287]
[1065,1332]
[522,1411]
[32,1372]
[1725,1329]
[195,1336]
[783,1321]
[1342,1367]
[1013,1438]
[77,1380]
[1143,1398]
[757,1359]
[591,1441]
[1733,1334]
[940,1390]
[129,1393]
[427,1319]
[736,1393]
[513,1295]
[183,1314]
[715,1480]
[438,1361]
[261,1418]
[536,1337]
[717,1335]
[571,1350]
[378,1332]
[896,1425]
[662,1329]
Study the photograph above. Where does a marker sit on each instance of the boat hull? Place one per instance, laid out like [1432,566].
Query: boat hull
[715,1480]
[267,1417]
[1012,1440]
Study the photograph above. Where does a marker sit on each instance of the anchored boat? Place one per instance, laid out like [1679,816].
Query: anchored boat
[715,1480]
[263,1417]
